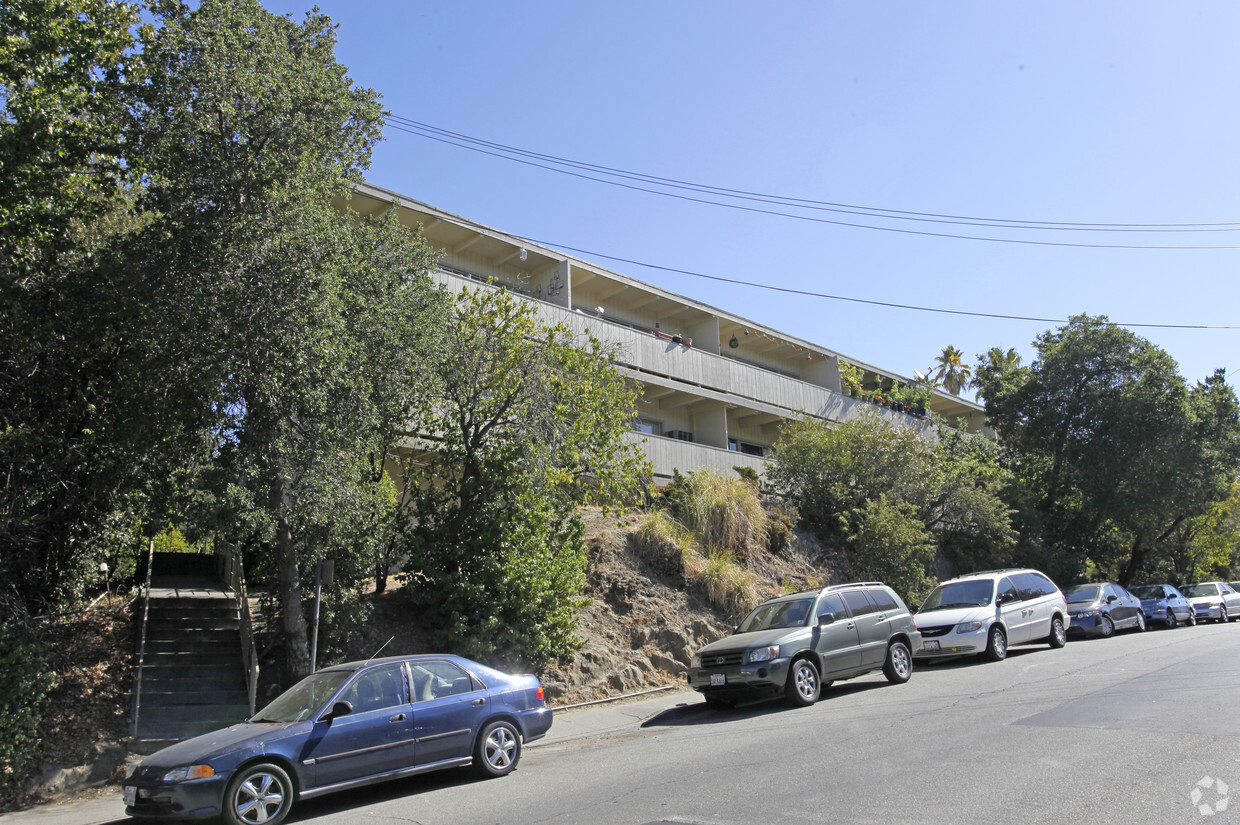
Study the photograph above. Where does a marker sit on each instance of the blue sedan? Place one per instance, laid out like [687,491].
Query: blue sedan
[1164,605]
[342,727]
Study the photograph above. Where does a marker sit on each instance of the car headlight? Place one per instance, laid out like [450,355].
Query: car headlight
[697,660]
[968,627]
[764,654]
[1089,614]
[188,772]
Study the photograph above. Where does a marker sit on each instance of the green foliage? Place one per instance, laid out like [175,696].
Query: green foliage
[888,542]
[63,66]
[951,372]
[529,424]
[851,377]
[25,682]
[1115,455]
[855,482]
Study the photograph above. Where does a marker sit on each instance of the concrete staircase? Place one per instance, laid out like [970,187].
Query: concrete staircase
[191,677]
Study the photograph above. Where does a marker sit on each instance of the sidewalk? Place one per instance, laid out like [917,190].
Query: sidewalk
[569,724]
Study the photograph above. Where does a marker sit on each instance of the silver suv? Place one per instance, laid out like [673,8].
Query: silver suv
[799,643]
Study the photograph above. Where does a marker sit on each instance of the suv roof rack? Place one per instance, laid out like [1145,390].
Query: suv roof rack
[853,584]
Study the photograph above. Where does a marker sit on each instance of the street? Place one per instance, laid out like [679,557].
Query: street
[1139,728]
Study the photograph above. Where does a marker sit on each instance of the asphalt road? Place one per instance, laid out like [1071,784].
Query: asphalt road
[1121,730]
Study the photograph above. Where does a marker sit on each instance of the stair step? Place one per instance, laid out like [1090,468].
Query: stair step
[199,683]
[219,715]
[207,699]
[227,643]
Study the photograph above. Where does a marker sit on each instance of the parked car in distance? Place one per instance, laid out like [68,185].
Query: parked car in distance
[1101,609]
[799,643]
[1164,605]
[985,613]
[1213,600]
[342,727]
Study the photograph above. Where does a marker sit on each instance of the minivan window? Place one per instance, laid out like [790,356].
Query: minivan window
[1007,591]
[974,593]
[1031,585]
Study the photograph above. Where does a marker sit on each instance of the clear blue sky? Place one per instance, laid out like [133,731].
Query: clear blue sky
[1098,113]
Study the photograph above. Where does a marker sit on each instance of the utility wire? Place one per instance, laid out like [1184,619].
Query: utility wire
[808,293]
[395,123]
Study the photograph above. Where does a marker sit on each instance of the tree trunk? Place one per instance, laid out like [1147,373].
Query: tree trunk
[292,617]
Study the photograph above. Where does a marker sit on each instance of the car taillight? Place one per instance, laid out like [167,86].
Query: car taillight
[539,693]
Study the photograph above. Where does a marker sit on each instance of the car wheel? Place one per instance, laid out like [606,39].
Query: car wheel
[258,795]
[996,644]
[497,750]
[719,703]
[1170,621]
[1222,615]
[1140,622]
[899,665]
[1192,618]
[1108,627]
[803,686]
[1059,636]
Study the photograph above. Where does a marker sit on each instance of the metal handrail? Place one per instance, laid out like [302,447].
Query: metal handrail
[234,575]
[146,612]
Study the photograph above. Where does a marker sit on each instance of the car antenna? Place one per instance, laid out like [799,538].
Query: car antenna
[377,652]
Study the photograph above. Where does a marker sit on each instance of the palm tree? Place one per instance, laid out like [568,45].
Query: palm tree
[952,373]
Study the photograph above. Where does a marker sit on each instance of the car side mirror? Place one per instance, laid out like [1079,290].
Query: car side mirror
[736,629]
[1110,599]
[826,619]
[339,709]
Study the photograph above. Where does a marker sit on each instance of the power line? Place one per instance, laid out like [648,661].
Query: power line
[827,296]
[506,153]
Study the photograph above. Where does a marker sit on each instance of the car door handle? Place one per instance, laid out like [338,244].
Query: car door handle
[400,717]
[852,626]
[478,702]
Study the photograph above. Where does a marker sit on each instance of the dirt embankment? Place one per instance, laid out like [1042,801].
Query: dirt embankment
[641,628]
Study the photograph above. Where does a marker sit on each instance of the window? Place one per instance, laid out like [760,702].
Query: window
[434,680]
[857,602]
[831,605]
[380,687]
[882,599]
[647,427]
[1007,591]
[747,449]
[1032,585]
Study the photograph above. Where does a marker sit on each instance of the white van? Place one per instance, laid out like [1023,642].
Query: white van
[986,613]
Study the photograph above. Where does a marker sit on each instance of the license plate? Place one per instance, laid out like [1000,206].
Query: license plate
[718,679]
[130,793]
[929,645]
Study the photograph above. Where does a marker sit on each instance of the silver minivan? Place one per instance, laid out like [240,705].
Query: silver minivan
[987,612]
[797,644]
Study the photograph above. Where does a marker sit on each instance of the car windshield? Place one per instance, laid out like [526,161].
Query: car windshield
[305,698]
[777,614]
[959,594]
[1201,590]
[1081,595]
[1149,591]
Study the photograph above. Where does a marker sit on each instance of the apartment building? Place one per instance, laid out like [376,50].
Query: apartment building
[716,386]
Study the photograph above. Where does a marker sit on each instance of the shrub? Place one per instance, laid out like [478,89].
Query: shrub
[722,512]
[24,684]
[887,542]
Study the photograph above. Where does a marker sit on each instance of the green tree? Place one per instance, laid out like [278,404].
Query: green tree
[865,478]
[951,372]
[71,449]
[888,542]
[530,421]
[287,335]
[1115,452]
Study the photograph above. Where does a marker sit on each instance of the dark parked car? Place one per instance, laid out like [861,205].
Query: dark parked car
[342,727]
[1164,605]
[1101,609]
[798,644]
